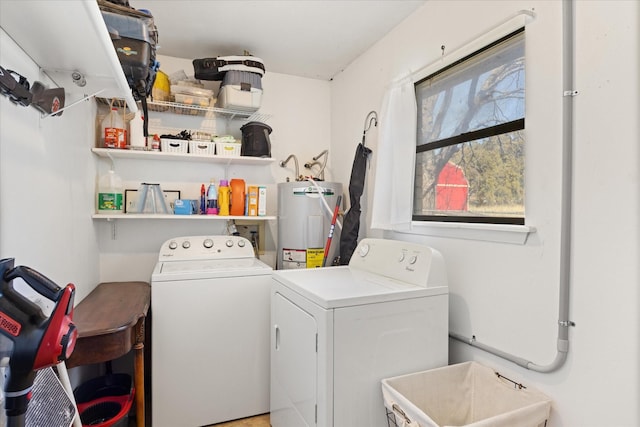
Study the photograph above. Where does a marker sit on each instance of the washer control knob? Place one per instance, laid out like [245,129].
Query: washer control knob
[364,250]
[186,244]
[241,243]
[229,243]
[173,245]
[208,243]
[401,257]
[413,259]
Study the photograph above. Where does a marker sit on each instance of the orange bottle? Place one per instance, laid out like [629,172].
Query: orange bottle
[237,197]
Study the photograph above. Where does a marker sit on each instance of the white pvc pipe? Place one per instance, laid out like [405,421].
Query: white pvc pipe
[324,202]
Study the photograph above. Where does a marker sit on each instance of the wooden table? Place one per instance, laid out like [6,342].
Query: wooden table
[110,322]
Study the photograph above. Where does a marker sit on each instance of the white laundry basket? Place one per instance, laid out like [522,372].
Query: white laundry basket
[465,394]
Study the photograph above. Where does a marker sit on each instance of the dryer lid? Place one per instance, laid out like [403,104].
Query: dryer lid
[334,287]
[208,269]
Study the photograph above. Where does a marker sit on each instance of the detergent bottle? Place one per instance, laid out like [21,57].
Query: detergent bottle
[203,200]
[212,199]
[223,198]
[237,197]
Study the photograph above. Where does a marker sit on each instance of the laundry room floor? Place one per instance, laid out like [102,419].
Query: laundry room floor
[258,421]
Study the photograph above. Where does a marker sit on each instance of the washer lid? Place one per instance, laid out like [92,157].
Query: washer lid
[209,269]
[333,287]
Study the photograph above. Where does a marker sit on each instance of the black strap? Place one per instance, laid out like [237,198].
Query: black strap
[217,63]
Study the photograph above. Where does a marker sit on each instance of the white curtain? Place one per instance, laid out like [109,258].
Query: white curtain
[395,165]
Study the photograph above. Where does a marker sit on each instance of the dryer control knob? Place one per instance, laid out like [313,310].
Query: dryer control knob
[413,259]
[241,243]
[364,250]
[229,243]
[173,245]
[208,243]
[186,244]
[401,257]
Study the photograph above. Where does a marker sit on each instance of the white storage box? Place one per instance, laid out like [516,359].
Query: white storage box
[466,394]
[227,149]
[174,145]
[202,148]
[234,98]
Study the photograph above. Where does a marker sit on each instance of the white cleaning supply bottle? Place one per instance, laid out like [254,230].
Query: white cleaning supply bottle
[110,196]
[137,141]
[212,199]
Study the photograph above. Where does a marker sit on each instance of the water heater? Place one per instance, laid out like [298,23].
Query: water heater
[304,223]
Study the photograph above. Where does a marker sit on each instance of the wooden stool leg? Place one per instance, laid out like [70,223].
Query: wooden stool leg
[139,384]
[139,374]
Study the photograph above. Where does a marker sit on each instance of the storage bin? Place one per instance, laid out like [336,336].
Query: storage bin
[200,101]
[202,148]
[233,97]
[465,394]
[105,401]
[174,145]
[191,90]
[227,149]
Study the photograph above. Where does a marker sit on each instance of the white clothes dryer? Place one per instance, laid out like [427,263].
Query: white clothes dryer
[338,331]
[209,332]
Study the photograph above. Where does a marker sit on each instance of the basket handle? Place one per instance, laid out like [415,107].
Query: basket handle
[399,411]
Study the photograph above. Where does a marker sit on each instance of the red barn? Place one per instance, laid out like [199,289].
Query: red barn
[452,189]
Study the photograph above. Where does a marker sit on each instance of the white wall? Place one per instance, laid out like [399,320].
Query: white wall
[507,294]
[46,185]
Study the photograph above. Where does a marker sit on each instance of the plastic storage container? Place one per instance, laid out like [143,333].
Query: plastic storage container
[202,148]
[234,97]
[110,195]
[200,101]
[191,90]
[465,394]
[228,149]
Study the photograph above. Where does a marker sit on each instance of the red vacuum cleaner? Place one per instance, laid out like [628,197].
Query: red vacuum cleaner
[39,340]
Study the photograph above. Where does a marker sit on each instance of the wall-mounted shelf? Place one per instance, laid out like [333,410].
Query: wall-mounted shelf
[111,217]
[113,153]
[67,36]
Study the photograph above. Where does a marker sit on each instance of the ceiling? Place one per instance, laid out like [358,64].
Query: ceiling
[308,38]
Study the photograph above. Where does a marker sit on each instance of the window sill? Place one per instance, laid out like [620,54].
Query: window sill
[501,233]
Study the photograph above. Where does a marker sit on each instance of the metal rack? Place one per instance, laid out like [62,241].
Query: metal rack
[197,110]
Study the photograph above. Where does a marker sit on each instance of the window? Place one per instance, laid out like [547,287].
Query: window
[470,138]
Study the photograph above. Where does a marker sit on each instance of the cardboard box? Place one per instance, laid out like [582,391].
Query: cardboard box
[253,201]
[262,201]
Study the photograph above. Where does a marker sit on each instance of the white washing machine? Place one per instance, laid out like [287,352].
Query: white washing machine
[338,331]
[210,301]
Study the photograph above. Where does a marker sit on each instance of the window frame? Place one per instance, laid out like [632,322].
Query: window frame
[500,129]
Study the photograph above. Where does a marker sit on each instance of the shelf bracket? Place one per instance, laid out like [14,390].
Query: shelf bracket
[83,99]
[112,221]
